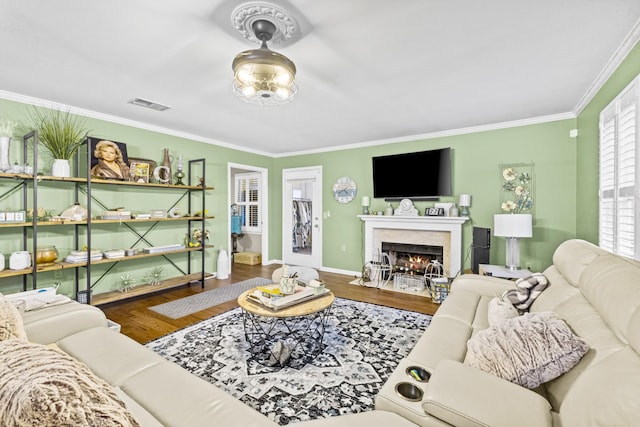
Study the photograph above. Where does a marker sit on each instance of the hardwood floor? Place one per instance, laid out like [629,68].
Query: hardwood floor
[143,325]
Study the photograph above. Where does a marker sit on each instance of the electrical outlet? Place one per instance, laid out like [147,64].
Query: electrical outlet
[529,265]
[343,248]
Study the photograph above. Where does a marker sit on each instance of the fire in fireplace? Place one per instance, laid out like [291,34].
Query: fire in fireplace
[412,258]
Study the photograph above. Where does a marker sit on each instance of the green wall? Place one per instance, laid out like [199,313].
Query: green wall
[587,160]
[476,160]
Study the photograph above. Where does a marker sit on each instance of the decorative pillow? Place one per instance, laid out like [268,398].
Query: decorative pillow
[40,386]
[528,350]
[11,325]
[527,290]
[500,310]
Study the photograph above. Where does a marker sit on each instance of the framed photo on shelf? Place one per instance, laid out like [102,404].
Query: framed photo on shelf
[108,159]
[139,171]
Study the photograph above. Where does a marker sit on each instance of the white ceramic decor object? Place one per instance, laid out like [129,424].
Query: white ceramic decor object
[5,144]
[1,262]
[20,260]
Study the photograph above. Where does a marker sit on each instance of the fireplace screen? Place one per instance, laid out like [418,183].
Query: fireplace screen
[413,259]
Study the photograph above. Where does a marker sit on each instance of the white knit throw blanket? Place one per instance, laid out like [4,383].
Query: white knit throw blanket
[40,386]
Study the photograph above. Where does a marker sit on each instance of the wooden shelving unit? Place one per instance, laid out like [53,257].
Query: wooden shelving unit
[22,182]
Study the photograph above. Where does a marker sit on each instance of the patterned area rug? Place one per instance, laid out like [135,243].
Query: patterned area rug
[363,345]
[194,303]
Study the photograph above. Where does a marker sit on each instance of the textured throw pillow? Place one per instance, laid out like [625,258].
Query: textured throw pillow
[11,325]
[40,386]
[500,310]
[527,350]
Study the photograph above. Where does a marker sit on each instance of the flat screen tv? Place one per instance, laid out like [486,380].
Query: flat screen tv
[419,175]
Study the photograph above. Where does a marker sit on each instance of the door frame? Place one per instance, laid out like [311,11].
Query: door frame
[264,203]
[302,173]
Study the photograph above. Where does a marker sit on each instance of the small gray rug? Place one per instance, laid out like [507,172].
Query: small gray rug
[194,303]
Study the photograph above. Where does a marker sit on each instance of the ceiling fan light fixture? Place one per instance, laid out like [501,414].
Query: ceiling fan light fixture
[262,76]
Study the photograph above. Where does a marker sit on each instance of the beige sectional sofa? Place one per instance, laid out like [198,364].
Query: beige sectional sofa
[157,392]
[596,293]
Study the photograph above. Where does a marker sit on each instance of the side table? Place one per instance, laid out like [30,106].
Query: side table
[502,272]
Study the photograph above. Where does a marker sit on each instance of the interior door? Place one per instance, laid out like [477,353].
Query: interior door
[302,216]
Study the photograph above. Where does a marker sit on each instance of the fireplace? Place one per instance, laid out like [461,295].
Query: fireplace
[443,232]
[412,258]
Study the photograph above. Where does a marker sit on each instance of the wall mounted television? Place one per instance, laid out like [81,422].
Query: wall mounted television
[423,175]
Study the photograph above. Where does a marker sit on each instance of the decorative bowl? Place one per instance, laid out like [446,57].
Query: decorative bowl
[46,255]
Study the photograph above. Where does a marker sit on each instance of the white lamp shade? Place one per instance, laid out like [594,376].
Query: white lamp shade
[465,200]
[513,225]
[365,201]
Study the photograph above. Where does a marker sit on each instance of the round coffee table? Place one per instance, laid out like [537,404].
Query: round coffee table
[290,336]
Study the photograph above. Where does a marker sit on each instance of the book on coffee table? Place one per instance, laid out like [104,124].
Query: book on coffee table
[274,302]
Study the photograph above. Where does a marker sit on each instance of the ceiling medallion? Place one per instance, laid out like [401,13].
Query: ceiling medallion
[246,14]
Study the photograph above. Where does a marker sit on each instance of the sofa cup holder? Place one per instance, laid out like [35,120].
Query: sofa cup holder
[410,392]
[418,373]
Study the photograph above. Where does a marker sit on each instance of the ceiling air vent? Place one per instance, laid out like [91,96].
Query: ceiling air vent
[148,104]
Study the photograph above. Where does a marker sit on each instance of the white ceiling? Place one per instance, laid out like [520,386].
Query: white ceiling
[368,70]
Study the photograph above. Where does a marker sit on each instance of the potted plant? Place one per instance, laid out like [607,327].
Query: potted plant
[60,132]
[7,129]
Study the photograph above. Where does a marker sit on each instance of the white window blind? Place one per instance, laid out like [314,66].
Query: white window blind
[247,197]
[618,205]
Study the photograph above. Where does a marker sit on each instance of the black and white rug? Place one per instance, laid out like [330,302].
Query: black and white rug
[363,345]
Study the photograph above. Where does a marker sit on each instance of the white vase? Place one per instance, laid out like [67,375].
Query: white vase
[61,168]
[5,143]
[222,265]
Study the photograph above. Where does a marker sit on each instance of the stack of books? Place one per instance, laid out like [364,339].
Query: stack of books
[160,249]
[82,256]
[116,215]
[113,253]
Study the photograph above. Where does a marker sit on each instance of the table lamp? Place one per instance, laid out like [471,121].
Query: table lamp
[513,227]
[464,201]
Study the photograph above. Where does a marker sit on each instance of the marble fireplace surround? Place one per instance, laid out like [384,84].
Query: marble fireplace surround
[422,230]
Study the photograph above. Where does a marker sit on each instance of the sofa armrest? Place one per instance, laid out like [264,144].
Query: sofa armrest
[51,324]
[464,396]
[488,286]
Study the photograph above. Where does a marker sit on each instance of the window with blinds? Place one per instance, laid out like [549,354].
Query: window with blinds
[618,194]
[247,197]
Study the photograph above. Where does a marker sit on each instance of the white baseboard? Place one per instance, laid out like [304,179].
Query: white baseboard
[327,269]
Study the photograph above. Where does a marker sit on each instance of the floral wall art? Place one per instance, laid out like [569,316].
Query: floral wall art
[516,189]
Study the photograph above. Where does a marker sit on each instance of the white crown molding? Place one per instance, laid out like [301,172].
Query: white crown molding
[141,125]
[612,65]
[122,121]
[441,134]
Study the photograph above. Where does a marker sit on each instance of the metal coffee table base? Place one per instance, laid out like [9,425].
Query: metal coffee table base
[285,341]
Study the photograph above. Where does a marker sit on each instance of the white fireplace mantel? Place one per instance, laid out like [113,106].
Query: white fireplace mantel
[450,224]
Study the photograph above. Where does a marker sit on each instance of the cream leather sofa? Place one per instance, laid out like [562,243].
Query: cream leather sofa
[596,293]
[157,392]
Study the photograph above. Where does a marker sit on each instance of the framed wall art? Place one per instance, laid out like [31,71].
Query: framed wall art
[109,159]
